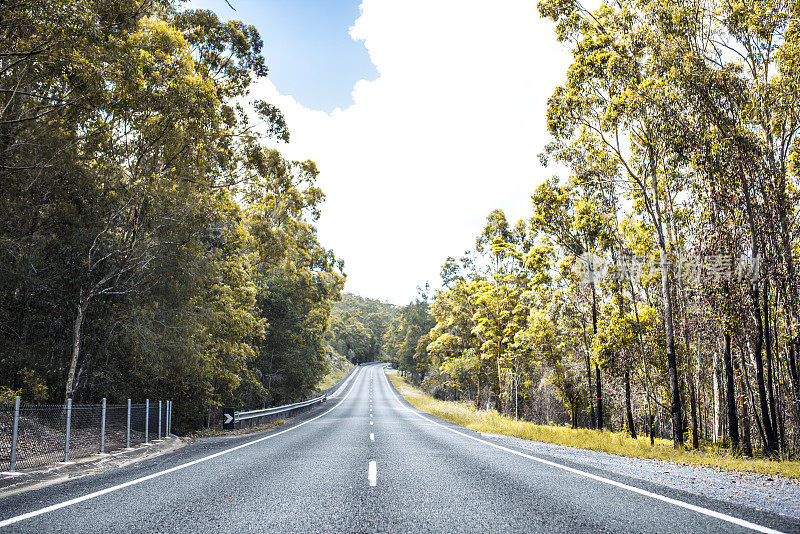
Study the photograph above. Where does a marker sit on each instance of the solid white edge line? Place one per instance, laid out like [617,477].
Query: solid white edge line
[372,474]
[88,496]
[344,386]
[634,489]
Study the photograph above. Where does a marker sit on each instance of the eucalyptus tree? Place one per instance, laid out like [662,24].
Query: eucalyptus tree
[575,221]
[736,64]
[452,340]
[618,92]
[404,334]
[141,214]
[295,276]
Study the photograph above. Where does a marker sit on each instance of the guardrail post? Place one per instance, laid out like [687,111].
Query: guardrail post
[69,425]
[159,420]
[147,420]
[128,427]
[13,460]
[103,427]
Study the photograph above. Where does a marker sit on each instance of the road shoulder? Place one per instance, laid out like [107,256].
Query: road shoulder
[771,494]
[91,465]
[764,495]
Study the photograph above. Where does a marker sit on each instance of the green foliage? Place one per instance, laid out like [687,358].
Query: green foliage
[358,327]
[402,339]
[33,388]
[678,124]
[7,395]
[150,246]
[491,422]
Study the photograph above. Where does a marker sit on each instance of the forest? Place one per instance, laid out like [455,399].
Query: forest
[358,326]
[151,245]
[366,330]
[653,288]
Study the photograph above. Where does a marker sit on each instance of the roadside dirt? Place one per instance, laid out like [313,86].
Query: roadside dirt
[37,478]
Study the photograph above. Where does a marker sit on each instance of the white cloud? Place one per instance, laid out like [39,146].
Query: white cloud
[448,131]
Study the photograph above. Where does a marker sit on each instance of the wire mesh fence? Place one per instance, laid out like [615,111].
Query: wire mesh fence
[34,435]
[41,435]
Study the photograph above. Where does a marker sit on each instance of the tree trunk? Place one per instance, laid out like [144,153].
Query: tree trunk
[779,392]
[478,388]
[770,385]
[793,371]
[693,408]
[588,376]
[669,331]
[752,397]
[628,408]
[747,446]
[730,394]
[698,388]
[589,380]
[761,336]
[599,397]
[598,383]
[500,403]
[650,420]
[77,330]
[716,431]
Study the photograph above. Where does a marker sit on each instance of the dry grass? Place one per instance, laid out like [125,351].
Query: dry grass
[211,432]
[333,377]
[612,442]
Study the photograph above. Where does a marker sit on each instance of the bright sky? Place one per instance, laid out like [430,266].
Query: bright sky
[418,146]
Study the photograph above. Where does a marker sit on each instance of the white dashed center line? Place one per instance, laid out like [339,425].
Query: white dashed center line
[373,473]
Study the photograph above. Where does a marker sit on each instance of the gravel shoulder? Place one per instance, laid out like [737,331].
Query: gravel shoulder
[773,494]
[31,479]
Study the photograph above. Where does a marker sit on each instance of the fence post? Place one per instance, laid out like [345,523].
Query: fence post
[103,427]
[69,424]
[14,434]
[159,420]
[146,420]
[128,428]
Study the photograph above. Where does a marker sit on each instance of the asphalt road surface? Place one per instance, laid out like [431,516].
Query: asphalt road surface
[367,462]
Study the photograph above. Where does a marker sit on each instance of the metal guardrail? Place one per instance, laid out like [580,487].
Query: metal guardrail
[250,414]
[233,419]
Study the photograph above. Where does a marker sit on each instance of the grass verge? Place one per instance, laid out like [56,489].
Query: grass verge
[619,443]
[210,432]
[333,377]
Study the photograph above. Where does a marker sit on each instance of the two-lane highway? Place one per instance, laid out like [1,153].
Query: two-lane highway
[367,462]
